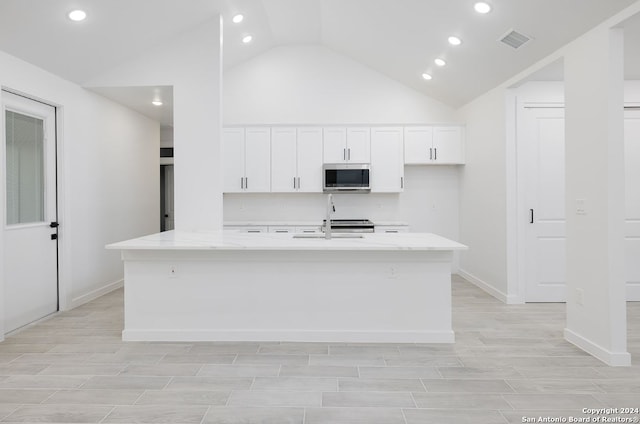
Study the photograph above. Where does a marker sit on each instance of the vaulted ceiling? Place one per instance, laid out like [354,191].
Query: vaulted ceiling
[398,38]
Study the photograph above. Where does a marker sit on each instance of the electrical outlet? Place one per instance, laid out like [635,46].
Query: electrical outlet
[173,271]
[581,207]
[393,273]
[579,297]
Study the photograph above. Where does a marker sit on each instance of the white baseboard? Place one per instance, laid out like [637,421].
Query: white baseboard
[503,297]
[293,336]
[614,359]
[92,295]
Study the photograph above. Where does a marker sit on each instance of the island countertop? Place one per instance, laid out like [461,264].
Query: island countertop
[231,240]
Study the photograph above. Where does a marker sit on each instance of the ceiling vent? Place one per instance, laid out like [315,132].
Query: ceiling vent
[514,39]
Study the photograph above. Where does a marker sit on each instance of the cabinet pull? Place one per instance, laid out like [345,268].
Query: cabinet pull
[531,211]
[435,153]
[246,182]
[430,153]
[254,231]
[401,182]
[349,154]
[242,182]
[391,231]
[298,183]
[344,154]
[294,183]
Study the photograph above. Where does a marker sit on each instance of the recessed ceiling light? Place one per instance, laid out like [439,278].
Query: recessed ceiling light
[156,103]
[77,15]
[427,76]
[237,18]
[439,62]
[482,7]
[454,41]
[247,39]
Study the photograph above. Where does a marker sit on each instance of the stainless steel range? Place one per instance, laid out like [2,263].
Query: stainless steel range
[350,225]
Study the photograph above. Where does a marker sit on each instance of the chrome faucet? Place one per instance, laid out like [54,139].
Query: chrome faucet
[330,209]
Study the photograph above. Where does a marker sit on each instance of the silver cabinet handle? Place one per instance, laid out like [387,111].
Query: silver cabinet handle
[391,231]
[242,183]
[401,182]
[294,183]
[246,182]
[430,153]
[435,153]
[298,183]
[349,155]
[344,154]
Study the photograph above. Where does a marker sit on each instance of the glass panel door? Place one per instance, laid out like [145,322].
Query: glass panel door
[24,168]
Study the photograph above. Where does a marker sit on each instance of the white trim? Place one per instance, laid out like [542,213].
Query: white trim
[503,297]
[287,335]
[614,359]
[92,295]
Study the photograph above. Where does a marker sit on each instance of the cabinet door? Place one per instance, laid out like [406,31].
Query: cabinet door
[334,145]
[310,160]
[448,145]
[387,166]
[418,145]
[257,159]
[359,145]
[233,160]
[283,160]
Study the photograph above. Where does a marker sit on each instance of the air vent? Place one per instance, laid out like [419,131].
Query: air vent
[514,39]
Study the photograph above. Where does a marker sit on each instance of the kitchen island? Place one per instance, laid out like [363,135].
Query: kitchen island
[229,286]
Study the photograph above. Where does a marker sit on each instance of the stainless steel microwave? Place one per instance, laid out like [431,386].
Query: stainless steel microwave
[346,177]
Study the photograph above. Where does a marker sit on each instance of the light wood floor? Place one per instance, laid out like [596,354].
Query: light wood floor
[509,363]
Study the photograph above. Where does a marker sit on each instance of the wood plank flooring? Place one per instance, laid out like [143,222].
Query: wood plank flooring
[509,364]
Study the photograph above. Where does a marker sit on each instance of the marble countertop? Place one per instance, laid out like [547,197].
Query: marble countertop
[232,240]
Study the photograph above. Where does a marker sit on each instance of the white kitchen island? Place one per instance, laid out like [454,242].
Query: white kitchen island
[229,286]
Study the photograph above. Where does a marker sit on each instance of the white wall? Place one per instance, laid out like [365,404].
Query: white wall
[483,193]
[108,178]
[314,85]
[192,64]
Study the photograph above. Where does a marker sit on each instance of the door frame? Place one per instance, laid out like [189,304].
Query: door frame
[63,246]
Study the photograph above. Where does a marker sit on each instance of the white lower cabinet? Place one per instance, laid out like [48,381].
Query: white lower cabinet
[283,229]
[308,229]
[248,228]
[391,229]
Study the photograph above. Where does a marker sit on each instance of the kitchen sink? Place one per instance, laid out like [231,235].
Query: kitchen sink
[333,236]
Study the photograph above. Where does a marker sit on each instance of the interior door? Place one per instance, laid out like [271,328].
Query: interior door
[542,138]
[632,188]
[30,249]
[169,216]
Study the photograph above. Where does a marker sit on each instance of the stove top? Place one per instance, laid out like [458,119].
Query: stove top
[351,225]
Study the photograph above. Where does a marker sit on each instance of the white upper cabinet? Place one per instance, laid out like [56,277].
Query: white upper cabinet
[284,162]
[296,160]
[359,145]
[247,160]
[233,160]
[448,147]
[310,160]
[342,145]
[387,166]
[433,145]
